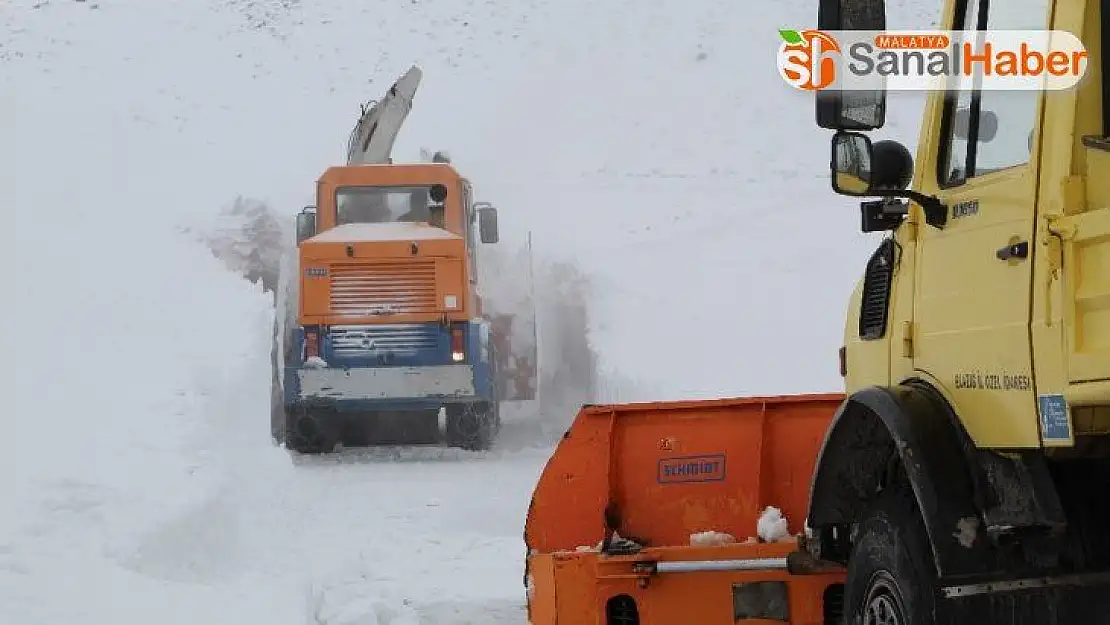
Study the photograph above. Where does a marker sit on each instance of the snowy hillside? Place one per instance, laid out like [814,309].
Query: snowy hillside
[655,147]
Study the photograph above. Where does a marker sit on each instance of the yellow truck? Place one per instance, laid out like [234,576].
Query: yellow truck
[964,478]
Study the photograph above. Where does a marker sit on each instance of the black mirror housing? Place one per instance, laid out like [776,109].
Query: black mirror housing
[487,222]
[851,15]
[306,224]
[850,110]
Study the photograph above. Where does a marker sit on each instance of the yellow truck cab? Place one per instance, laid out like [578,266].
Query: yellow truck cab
[965,477]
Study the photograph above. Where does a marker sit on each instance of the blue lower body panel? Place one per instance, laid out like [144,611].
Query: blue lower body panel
[390,368]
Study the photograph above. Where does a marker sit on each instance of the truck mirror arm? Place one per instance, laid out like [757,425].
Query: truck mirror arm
[936,213]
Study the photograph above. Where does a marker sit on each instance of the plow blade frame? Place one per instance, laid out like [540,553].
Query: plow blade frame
[658,473]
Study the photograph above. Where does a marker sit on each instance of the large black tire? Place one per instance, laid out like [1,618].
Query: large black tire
[472,427]
[321,440]
[891,578]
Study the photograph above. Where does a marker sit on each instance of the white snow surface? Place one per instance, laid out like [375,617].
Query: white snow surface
[654,145]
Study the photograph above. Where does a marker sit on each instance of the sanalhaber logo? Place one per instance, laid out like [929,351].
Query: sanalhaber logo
[927,60]
[805,60]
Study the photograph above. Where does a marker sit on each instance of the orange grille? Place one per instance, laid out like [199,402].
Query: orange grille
[382,288]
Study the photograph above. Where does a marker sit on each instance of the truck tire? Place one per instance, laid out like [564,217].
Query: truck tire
[890,572]
[310,437]
[471,426]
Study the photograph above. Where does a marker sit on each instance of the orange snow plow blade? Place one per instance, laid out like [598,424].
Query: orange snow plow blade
[618,524]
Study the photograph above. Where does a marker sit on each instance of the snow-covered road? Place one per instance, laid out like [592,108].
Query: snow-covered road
[447,539]
[352,540]
[175,507]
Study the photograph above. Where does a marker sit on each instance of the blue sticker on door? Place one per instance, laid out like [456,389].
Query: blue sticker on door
[1055,424]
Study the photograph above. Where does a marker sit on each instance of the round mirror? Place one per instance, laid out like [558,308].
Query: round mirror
[439,193]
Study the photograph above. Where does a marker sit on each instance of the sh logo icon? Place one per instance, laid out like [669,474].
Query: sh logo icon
[805,59]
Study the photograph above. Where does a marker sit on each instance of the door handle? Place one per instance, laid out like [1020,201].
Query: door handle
[1017,250]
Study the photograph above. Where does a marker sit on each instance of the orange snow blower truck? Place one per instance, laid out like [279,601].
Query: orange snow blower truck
[648,513]
[390,325]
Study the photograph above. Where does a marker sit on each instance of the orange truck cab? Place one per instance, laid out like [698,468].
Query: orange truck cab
[389,322]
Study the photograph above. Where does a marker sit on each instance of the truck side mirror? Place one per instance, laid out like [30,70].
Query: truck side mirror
[306,224]
[851,110]
[885,169]
[487,221]
[862,168]
[438,193]
[851,163]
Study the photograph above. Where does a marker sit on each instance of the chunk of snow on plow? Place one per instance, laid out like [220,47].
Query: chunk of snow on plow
[711,539]
[315,362]
[772,526]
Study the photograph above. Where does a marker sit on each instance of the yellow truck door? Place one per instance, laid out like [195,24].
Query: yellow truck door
[974,276]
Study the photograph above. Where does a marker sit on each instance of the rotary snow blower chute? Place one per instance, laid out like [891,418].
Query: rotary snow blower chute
[391,343]
[682,512]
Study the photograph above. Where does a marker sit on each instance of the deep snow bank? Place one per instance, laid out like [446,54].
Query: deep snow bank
[136,408]
[558,294]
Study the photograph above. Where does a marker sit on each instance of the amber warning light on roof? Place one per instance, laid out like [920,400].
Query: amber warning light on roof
[1001,60]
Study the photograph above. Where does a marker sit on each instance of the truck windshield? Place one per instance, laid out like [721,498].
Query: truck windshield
[360,205]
